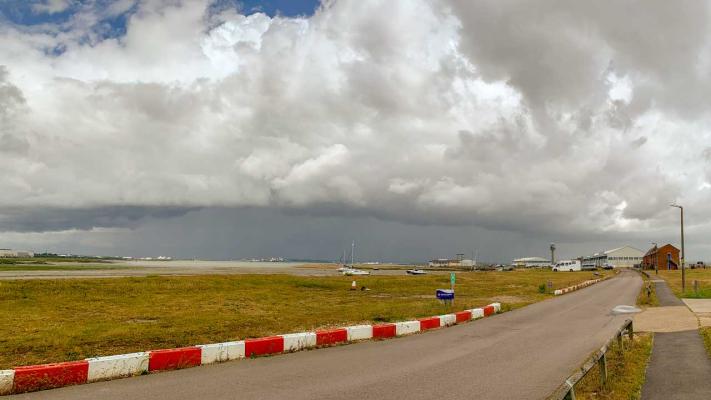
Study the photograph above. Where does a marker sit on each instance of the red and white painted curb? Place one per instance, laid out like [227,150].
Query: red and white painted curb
[48,376]
[579,286]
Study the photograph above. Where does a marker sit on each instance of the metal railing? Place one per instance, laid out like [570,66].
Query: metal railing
[566,391]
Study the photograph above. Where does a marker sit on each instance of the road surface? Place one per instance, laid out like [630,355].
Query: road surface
[523,354]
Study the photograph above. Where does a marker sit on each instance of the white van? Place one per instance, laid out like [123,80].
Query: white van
[568,265]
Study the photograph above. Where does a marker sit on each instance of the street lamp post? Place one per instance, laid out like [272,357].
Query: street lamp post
[656,260]
[683,273]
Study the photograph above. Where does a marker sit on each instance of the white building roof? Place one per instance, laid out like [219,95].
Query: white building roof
[531,259]
[625,251]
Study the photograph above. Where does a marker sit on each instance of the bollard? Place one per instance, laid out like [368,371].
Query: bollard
[696,287]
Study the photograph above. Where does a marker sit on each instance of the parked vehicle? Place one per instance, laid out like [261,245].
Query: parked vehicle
[568,265]
[589,266]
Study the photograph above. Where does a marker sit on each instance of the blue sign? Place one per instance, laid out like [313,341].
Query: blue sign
[445,294]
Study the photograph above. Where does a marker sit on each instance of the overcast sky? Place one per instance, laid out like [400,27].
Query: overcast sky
[419,129]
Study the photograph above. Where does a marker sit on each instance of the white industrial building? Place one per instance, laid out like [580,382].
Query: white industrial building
[531,262]
[451,263]
[621,257]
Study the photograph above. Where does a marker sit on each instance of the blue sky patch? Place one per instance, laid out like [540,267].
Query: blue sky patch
[22,12]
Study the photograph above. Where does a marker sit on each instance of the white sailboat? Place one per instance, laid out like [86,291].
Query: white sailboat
[350,270]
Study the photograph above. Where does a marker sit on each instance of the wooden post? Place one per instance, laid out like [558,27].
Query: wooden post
[602,364]
[620,342]
[570,395]
[630,330]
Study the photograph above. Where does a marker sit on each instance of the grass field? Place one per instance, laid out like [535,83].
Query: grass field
[703,276]
[626,372]
[61,320]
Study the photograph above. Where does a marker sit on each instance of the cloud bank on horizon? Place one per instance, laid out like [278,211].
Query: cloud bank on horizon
[566,117]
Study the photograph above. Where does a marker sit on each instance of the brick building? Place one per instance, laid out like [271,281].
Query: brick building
[665,257]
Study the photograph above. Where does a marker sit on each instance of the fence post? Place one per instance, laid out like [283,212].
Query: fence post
[602,364]
[620,342]
[570,395]
[630,330]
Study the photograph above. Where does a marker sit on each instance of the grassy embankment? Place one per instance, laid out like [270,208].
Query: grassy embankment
[60,320]
[625,370]
[648,294]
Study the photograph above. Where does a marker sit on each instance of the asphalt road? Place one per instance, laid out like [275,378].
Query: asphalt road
[523,354]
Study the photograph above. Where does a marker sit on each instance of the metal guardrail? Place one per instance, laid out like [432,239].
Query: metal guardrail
[566,391]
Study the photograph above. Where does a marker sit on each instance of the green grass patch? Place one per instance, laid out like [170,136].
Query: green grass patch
[625,370]
[706,335]
[62,320]
[647,296]
[702,276]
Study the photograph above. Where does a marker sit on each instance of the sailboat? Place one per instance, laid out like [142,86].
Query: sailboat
[350,270]
[344,266]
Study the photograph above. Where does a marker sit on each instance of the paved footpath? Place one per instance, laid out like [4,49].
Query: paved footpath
[522,354]
[679,368]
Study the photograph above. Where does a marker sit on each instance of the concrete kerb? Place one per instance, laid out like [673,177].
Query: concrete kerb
[573,288]
[118,366]
[127,365]
[407,328]
[299,341]
[447,320]
[221,352]
[7,378]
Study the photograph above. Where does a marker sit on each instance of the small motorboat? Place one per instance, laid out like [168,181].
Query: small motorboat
[355,272]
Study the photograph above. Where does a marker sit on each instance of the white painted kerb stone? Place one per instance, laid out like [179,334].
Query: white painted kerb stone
[118,366]
[407,327]
[497,307]
[359,332]
[447,319]
[7,377]
[299,341]
[221,352]
[477,313]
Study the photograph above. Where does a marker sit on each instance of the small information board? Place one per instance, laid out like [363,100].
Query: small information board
[445,294]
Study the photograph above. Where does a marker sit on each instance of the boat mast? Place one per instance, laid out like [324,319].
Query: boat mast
[352,252]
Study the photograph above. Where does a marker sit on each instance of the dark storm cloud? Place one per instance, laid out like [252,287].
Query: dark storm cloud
[555,119]
[38,219]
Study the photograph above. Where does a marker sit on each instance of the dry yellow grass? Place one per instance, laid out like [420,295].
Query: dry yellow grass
[61,320]
[626,372]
